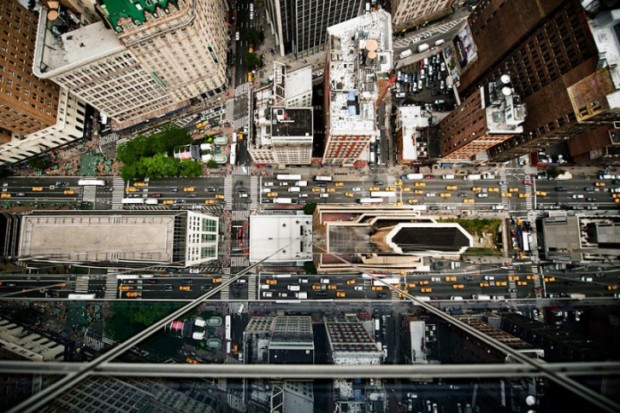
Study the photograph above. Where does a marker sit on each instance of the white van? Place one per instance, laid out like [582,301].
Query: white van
[448,176]
[294,288]
[456,298]
[405,53]
[294,189]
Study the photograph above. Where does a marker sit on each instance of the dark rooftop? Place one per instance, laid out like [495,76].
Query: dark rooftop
[414,239]
[291,122]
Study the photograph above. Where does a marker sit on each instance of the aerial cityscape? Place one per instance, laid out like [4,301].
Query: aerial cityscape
[308,206]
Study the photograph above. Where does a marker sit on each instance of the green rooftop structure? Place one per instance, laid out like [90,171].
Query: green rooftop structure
[135,10]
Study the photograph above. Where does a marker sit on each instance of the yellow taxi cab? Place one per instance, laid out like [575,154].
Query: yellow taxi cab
[316,189]
[423,282]
[445,194]
[468,201]
[202,124]
[271,281]
[168,202]
[340,294]
[5,195]
[131,189]
[139,184]
[617,200]
[541,193]
[614,196]
[317,287]
[612,287]
[216,280]
[494,190]
[521,283]
[599,184]
[185,288]
[530,277]
[411,285]
[332,287]
[124,287]
[402,295]
[332,190]
[511,190]
[338,184]
[398,183]
[272,194]
[351,281]
[426,290]
[189,189]
[390,188]
[450,278]
[68,192]
[132,294]
[501,283]
[458,286]
[190,360]
[506,195]
[348,194]
[476,189]
[219,196]
[250,76]
[513,278]
[549,279]
[37,189]
[250,48]
[420,184]
[399,203]
[209,202]
[451,187]
[405,189]
[524,195]
[418,192]
[484,284]
[374,188]
[412,201]
[377,288]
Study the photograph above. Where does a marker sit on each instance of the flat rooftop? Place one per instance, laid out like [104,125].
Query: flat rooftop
[97,238]
[292,234]
[359,51]
[411,238]
[411,119]
[348,334]
[298,82]
[286,123]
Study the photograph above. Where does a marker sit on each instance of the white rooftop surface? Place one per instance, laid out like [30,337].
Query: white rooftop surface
[270,233]
[98,238]
[82,45]
[416,336]
[411,119]
[298,82]
[347,76]
[607,44]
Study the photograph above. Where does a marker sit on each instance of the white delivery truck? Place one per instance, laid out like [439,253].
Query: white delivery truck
[481,297]
[405,53]
[423,47]
[294,288]
[294,189]
[413,176]
[472,177]
[301,295]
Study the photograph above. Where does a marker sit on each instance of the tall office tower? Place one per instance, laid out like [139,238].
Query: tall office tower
[300,26]
[408,13]
[157,56]
[487,117]
[35,114]
[550,53]
[358,61]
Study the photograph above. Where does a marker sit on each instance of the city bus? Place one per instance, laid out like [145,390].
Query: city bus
[233,154]
[382,194]
[81,296]
[283,201]
[288,177]
[370,200]
[388,280]
[322,178]
[91,182]
[227,326]
[133,201]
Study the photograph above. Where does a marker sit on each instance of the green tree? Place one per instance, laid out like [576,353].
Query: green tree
[127,319]
[190,168]
[309,208]
[41,162]
[129,172]
[255,61]
[553,172]
[212,164]
[310,267]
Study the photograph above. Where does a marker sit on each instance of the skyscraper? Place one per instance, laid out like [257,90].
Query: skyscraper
[157,56]
[547,48]
[300,26]
[359,58]
[489,116]
[35,114]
